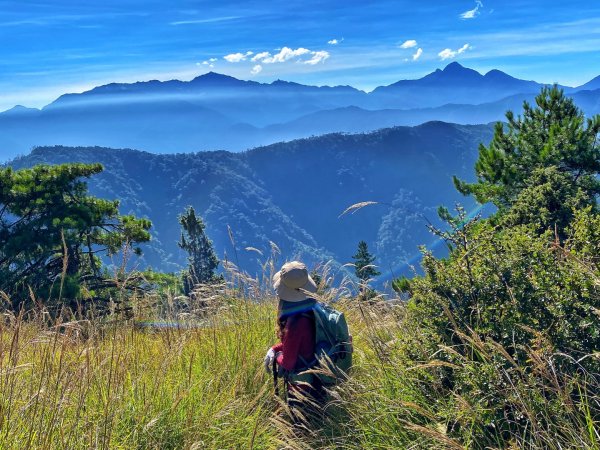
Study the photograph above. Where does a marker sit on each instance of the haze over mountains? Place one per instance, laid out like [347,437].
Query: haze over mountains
[216,111]
[288,193]
[292,193]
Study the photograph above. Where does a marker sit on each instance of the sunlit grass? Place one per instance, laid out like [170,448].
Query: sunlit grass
[85,385]
[108,384]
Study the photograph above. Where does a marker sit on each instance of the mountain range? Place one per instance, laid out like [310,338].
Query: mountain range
[215,111]
[291,194]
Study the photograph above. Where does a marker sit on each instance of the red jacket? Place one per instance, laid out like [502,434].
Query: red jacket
[298,340]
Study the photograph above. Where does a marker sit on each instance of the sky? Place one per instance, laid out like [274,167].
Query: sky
[48,48]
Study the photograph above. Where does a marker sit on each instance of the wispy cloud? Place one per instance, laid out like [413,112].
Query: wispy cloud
[317,57]
[449,53]
[237,57]
[256,69]
[411,43]
[335,41]
[201,21]
[57,19]
[418,54]
[472,13]
[556,38]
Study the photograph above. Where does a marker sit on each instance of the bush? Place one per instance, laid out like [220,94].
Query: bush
[511,318]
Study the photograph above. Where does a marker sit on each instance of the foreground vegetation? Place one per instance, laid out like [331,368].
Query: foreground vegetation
[112,385]
[115,384]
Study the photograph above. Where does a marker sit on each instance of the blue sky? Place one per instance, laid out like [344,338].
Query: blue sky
[51,47]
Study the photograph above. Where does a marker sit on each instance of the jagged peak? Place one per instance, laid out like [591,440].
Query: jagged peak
[280,82]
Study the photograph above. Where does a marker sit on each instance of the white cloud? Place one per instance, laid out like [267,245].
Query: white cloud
[260,56]
[472,13]
[446,54]
[463,49]
[449,53]
[213,59]
[301,55]
[333,42]
[285,54]
[208,63]
[317,57]
[235,57]
[418,54]
[409,44]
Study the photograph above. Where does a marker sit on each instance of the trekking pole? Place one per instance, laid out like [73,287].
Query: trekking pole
[275,384]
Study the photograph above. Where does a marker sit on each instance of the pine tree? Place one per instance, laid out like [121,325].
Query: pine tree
[52,233]
[551,148]
[363,263]
[202,258]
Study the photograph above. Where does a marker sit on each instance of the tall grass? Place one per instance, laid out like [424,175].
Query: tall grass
[86,385]
[109,384]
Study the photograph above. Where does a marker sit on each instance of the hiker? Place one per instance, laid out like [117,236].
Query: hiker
[296,330]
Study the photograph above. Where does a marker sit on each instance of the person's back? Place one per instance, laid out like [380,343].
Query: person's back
[297,333]
[297,344]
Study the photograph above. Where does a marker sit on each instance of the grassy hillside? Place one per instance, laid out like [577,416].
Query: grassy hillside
[112,384]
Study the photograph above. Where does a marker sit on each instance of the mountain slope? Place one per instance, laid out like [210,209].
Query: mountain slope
[591,85]
[353,119]
[292,193]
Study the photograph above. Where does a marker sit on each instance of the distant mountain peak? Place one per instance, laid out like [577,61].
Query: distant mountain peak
[214,78]
[279,82]
[454,66]
[456,69]
[213,75]
[452,73]
[19,110]
[498,74]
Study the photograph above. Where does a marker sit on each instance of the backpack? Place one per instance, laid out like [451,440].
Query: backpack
[333,345]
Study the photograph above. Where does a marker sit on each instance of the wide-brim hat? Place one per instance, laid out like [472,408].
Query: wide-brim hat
[293,283]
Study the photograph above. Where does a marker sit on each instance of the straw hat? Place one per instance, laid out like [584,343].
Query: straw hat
[293,283]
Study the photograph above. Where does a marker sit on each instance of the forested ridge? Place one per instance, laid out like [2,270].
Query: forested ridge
[291,194]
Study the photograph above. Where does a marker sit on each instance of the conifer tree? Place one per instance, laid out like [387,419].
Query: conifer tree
[551,148]
[52,231]
[202,258]
[363,263]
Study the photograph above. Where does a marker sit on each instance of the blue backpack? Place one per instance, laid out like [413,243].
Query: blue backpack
[333,347]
